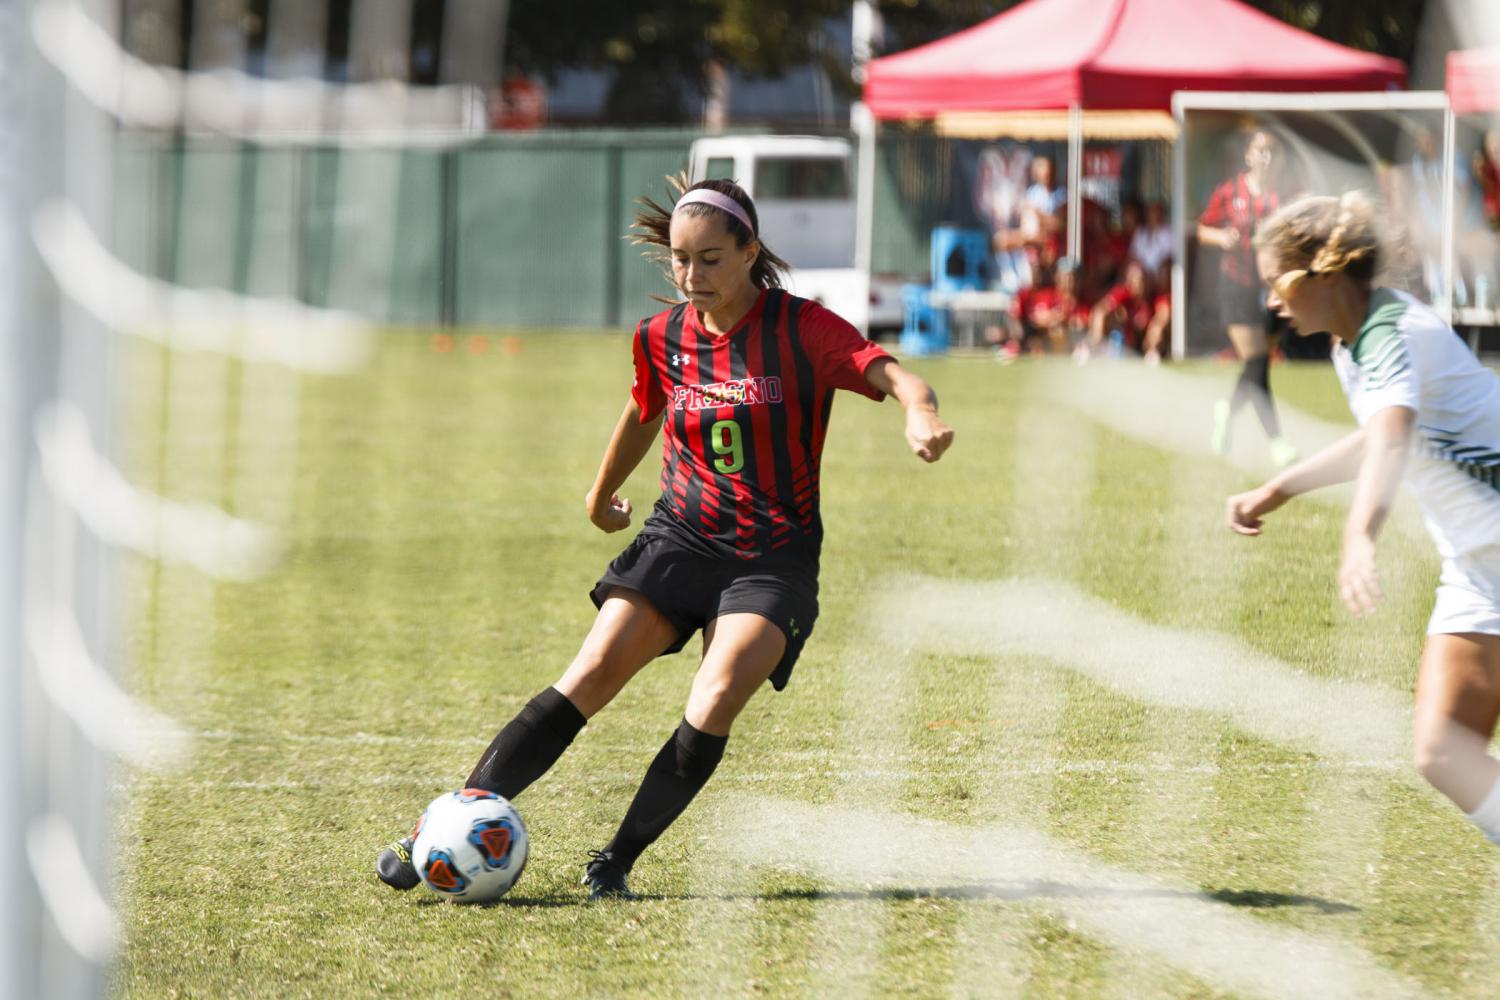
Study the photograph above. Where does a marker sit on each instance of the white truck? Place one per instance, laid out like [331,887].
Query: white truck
[803,188]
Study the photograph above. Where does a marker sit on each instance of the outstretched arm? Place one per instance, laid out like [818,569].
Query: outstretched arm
[1388,442]
[928,436]
[1337,463]
[627,446]
[1225,238]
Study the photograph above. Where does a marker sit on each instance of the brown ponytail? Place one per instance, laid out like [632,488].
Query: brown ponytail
[1318,234]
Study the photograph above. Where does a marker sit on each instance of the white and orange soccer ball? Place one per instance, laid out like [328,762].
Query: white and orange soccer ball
[471,846]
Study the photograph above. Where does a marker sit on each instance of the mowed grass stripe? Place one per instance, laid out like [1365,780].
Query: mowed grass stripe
[1154,663]
[880,687]
[1054,471]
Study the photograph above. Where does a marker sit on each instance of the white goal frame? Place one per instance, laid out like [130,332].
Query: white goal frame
[1331,104]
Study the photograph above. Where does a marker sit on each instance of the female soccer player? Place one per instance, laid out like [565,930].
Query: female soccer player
[742,375]
[1228,223]
[1426,409]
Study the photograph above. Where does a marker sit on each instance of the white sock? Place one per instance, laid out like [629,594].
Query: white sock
[1487,815]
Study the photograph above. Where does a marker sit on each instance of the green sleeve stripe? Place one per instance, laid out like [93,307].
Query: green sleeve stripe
[1384,377]
[1380,329]
[1383,354]
[1385,358]
[1391,363]
[1374,386]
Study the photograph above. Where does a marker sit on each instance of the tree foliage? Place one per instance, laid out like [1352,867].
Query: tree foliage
[1389,27]
[658,52]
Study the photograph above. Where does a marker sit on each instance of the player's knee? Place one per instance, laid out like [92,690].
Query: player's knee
[1433,754]
[593,679]
[716,701]
[1431,765]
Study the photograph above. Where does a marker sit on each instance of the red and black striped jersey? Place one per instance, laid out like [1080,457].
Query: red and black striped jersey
[1232,204]
[746,414]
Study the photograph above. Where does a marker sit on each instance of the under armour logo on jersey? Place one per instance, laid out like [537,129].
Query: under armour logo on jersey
[678,359]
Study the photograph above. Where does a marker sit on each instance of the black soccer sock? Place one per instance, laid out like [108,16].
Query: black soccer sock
[1244,387]
[528,745]
[1257,375]
[1254,386]
[680,769]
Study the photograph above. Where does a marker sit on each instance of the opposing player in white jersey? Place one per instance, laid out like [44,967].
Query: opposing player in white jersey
[1427,411]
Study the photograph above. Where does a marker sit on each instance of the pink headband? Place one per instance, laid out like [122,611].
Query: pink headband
[724,203]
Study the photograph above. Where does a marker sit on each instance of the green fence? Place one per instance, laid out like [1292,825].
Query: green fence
[510,230]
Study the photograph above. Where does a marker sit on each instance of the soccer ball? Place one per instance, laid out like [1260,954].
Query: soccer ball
[470,846]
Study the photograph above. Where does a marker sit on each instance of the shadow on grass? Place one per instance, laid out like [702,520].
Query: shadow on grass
[1041,889]
[1258,899]
[1018,891]
[524,902]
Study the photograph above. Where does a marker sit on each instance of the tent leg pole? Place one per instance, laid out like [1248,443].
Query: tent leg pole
[1075,183]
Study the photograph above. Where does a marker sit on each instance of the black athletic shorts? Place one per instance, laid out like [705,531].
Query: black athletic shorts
[1243,305]
[692,589]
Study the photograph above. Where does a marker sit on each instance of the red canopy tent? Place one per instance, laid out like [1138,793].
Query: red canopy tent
[1115,54]
[1474,80]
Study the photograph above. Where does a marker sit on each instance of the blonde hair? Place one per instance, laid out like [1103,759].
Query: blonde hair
[1320,234]
[653,224]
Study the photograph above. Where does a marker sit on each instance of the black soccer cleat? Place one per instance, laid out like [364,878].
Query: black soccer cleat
[395,868]
[605,877]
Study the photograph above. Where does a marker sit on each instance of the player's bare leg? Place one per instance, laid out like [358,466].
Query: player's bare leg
[1458,702]
[740,653]
[628,633]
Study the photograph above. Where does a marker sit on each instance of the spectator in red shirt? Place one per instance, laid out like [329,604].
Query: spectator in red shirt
[1229,222]
[1126,309]
[1048,316]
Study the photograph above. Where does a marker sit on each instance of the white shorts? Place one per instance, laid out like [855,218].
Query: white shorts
[1468,594]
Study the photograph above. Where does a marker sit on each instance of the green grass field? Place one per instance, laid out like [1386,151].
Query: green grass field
[1058,733]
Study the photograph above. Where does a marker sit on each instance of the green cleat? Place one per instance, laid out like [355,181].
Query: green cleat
[1283,452]
[1222,418]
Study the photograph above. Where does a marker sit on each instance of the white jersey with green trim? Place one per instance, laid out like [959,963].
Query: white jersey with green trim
[1405,355]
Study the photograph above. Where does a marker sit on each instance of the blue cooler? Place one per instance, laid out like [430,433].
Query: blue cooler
[926,329]
[961,259]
